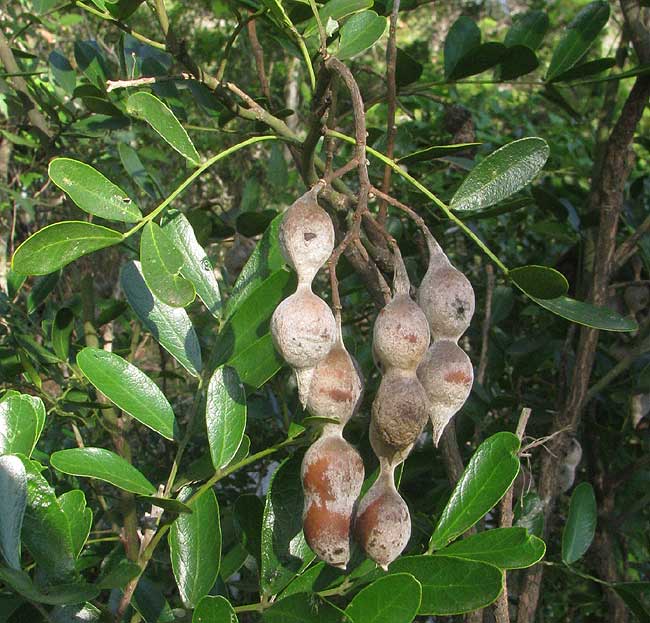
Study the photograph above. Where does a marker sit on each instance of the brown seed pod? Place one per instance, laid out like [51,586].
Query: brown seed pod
[447,375]
[306,236]
[303,330]
[400,410]
[445,295]
[401,332]
[332,476]
[383,524]
[337,385]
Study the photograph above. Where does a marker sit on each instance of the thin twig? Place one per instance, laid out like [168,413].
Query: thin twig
[258,53]
[112,85]
[487,319]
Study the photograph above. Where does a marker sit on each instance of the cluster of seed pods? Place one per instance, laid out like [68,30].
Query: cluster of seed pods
[447,299]
[419,381]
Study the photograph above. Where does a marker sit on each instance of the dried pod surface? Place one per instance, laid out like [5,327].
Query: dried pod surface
[446,374]
[332,476]
[336,387]
[383,524]
[303,328]
[306,236]
[400,410]
[401,334]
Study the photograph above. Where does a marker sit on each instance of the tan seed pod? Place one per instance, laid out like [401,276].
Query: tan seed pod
[401,332]
[303,330]
[383,524]
[446,296]
[400,409]
[332,477]
[447,375]
[337,386]
[306,236]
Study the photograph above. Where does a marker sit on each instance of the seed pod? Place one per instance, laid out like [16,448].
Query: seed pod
[445,295]
[383,524]
[401,332]
[332,476]
[447,375]
[306,236]
[336,386]
[400,409]
[303,330]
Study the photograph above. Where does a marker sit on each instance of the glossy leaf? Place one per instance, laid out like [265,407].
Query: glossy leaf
[392,599]
[61,331]
[214,609]
[304,608]
[335,10]
[225,415]
[18,426]
[195,547]
[104,465]
[488,475]
[81,613]
[540,281]
[528,29]
[148,107]
[161,264]
[284,549]
[150,603]
[139,174]
[118,575]
[359,33]
[257,363]
[170,326]
[46,531]
[68,593]
[478,59]
[506,548]
[586,314]
[580,525]
[586,69]
[436,151]
[451,585]
[407,69]
[80,518]
[196,265]
[91,62]
[129,388]
[171,505]
[92,191]
[578,37]
[56,245]
[517,61]
[13,493]
[62,71]
[503,173]
[463,36]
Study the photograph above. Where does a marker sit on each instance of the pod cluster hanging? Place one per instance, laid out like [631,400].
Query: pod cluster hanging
[425,375]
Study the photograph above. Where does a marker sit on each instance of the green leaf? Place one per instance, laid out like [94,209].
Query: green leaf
[139,174]
[284,549]
[196,265]
[103,465]
[503,173]
[540,281]
[121,9]
[18,426]
[214,610]
[451,585]
[580,525]
[148,107]
[436,151]
[56,245]
[359,33]
[528,29]
[478,60]
[161,266]
[195,547]
[488,475]
[62,71]
[150,603]
[170,326]
[46,531]
[584,70]
[636,596]
[119,574]
[587,314]
[69,593]
[391,599]
[257,363]
[169,504]
[248,519]
[13,493]
[463,36]
[506,548]
[42,288]
[517,61]
[92,191]
[304,608]
[91,62]
[407,69]
[61,331]
[129,388]
[225,415]
[81,613]
[335,10]
[578,38]
[80,517]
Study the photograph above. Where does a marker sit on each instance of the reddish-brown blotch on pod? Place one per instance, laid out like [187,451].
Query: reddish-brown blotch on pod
[446,372]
